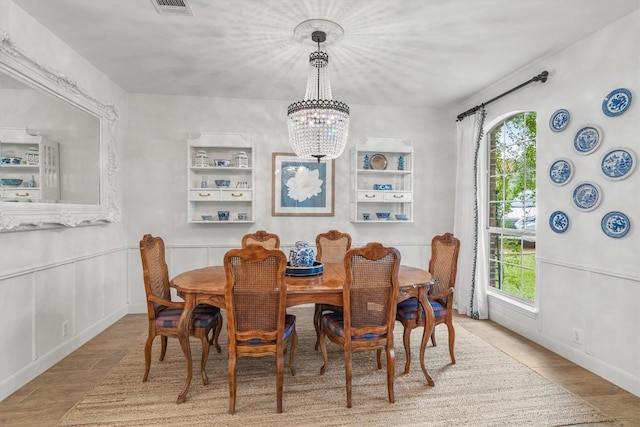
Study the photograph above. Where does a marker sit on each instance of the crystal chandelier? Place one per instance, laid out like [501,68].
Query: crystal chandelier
[319,125]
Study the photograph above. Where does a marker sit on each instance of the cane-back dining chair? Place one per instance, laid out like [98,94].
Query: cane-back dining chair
[332,247]
[257,323]
[443,267]
[369,309]
[262,238]
[164,314]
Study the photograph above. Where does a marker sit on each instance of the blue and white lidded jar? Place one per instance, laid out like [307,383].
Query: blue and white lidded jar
[302,255]
[400,163]
[367,162]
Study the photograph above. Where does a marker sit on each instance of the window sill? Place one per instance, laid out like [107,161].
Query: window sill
[513,304]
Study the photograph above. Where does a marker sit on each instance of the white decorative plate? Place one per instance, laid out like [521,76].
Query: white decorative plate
[559,120]
[586,196]
[618,163]
[561,171]
[587,139]
[559,222]
[378,161]
[615,224]
[617,102]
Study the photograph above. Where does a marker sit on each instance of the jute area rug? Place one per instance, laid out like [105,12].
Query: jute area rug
[484,388]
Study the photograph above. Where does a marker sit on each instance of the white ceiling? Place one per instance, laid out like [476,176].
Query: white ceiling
[394,52]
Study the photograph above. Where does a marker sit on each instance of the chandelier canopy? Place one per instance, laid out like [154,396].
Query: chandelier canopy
[318,125]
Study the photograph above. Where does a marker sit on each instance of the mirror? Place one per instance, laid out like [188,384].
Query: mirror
[57,156]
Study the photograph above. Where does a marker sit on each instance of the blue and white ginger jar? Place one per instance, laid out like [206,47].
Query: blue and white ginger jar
[302,255]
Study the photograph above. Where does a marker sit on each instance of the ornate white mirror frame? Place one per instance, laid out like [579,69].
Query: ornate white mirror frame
[31,216]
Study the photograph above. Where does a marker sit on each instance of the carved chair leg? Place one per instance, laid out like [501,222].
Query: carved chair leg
[379,358]
[232,383]
[292,353]
[433,336]
[391,368]
[317,316]
[216,332]
[204,337]
[147,356]
[323,349]
[279,379]
[163,347]
[348,373]
[406,340]
[452,340]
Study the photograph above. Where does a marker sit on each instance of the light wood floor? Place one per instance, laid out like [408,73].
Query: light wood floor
[43,401]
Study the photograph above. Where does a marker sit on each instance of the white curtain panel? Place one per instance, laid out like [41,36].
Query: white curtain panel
[470,296]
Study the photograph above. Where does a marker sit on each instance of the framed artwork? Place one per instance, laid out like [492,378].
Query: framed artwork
[301,187]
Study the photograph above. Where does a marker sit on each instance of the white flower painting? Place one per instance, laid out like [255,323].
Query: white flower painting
[302,187]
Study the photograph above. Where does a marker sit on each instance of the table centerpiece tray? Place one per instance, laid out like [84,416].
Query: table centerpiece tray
[312,270]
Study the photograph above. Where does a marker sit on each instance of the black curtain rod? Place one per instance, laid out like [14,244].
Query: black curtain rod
[542,77]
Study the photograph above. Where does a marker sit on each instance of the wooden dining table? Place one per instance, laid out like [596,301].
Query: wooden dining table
[206,285]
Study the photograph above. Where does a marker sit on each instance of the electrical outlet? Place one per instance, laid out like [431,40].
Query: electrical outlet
[577,335]
[65,328]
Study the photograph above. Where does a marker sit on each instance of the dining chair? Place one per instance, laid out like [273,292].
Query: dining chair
[331,247]
[262,238]
[257,323]
[369,309]
[164,314]
[443,267]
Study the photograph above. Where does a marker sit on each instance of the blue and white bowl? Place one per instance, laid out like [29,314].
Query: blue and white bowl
[222,182]
[223,215]
[221,163]
[383,215]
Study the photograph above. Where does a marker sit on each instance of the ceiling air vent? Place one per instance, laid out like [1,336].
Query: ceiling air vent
[176,7]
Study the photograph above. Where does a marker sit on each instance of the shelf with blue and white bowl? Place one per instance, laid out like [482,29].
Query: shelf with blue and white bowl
[381,172]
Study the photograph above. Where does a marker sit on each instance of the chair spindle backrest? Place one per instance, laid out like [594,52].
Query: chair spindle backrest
[256,290]
[443,265]
[154,268]
[262,238]
[332,246]
[371,286]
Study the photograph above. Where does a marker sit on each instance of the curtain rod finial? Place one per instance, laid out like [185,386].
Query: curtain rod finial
[542,77]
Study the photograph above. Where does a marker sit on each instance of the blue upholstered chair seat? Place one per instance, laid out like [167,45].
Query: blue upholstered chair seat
[334,321]
[289,327]
[203,316]
[408,309]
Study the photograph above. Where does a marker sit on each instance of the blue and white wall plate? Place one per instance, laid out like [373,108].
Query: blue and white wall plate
[587,139]
[617,102]
[615,224]
[559,222]
[618,163]
[560,171]
[559,120]
[586,196]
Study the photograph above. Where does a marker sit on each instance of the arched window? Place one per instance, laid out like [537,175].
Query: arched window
[512,206]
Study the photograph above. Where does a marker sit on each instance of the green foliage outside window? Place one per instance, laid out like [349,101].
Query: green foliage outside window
[512,185]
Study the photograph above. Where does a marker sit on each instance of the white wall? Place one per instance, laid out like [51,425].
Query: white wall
[66,274]
[586,281]
[156,172]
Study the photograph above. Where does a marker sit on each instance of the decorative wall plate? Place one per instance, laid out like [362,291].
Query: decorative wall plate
[561,171]
[378,161]
[586,196]
[617,102]
[559,222]
[615,224]
[587,139]
[618,163]
[559,120]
